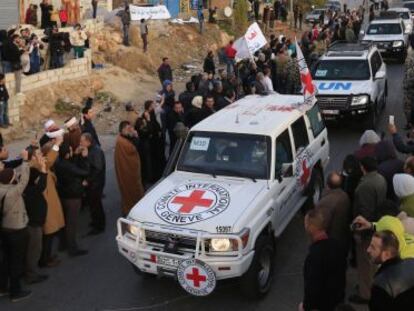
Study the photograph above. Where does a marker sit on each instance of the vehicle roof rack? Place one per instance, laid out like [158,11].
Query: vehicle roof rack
[346,46]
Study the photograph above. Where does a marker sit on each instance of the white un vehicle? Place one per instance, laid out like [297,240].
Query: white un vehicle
[239,179]
[390,35]
[352,81]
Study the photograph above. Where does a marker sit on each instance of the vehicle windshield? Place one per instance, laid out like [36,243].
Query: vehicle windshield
[316,12]
[384,29]
[240,155]
[341,70]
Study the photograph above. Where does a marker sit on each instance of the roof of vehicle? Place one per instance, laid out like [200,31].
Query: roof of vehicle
[399,9]
[386,21]
[343,49]
[254,114]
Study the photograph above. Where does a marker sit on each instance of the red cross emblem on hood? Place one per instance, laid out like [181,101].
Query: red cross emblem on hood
[189,203]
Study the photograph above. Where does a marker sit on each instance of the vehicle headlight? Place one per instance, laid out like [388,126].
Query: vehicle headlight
[359,100]
[397,44]
[409,29]
[135,231]
[221,245]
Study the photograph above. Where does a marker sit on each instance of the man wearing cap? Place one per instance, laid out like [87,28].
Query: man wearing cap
[14,235]
[72,137]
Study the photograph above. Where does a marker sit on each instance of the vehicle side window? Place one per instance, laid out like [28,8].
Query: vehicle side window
[283,151]
[300,134]
[316,120]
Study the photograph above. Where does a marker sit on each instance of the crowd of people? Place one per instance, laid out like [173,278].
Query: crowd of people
[60,173]
[366,214]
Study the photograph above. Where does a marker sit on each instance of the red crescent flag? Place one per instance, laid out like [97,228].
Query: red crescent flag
[308,88]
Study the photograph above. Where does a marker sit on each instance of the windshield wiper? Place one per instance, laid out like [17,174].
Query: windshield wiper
[233,173]
[197,169]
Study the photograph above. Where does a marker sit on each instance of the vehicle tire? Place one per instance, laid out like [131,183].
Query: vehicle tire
[370,121]
[257,280]
[144,275]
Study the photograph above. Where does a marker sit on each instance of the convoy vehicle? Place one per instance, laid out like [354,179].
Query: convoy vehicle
[409,5]
[405,15]
[240,177]
[314,16]
[351,79]
[333,5]
[390,37]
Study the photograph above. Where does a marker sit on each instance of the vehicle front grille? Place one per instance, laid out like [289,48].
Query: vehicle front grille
[333,102]
[383,44]
[182,242]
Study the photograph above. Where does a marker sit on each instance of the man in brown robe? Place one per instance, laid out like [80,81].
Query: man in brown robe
[128,167]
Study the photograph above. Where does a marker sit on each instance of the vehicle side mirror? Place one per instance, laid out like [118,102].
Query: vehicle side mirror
[379,75]
[287,170]
[362,32]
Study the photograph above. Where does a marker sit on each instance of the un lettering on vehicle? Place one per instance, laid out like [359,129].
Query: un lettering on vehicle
[336,86]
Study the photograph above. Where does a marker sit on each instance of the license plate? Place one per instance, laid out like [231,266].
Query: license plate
[167,261]
[330,112]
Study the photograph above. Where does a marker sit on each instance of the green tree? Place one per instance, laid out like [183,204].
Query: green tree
[240,17]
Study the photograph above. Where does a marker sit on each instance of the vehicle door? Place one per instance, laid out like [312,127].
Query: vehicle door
[284,179]
[378,70]
[302,160]
[319,145]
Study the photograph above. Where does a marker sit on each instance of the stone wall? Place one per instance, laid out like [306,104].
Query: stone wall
[75,68]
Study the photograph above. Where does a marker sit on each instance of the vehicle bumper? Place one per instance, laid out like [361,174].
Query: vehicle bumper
[332,114]
[392,52]
[146,257]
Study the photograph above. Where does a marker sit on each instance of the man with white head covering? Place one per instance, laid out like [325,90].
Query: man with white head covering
[367,143]
[51,132]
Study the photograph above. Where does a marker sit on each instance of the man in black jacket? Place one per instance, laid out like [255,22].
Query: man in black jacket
[186,97]
[4,103]
[87,125]
[174,116]
[72,173]
[11,53]
[36,207]
[57,48]
[324,269]
[165,71]
[393,287]
[96,182]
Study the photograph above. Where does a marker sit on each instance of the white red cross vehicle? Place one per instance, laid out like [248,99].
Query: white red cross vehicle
[237,181]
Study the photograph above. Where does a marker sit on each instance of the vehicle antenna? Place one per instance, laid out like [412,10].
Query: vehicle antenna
[237,118]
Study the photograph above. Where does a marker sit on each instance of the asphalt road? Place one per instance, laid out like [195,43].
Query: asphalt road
[103,280]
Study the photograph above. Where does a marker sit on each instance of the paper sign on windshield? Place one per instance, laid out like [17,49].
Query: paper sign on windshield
[200,143]
[321,73]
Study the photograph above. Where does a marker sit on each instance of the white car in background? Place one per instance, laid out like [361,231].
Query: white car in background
[405,15]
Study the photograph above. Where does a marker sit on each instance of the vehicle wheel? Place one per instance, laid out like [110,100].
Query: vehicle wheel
[145,275]
[371,118]
[256,282]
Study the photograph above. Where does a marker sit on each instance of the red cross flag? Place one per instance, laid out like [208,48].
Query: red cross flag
[308,88]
